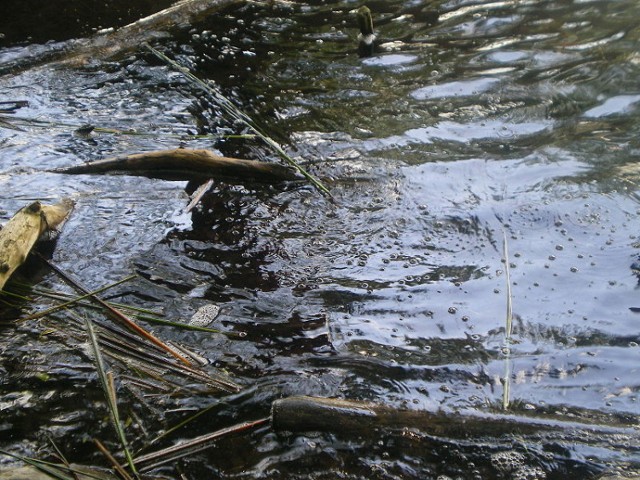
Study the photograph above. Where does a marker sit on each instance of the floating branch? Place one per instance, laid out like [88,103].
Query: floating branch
[187,164]
[233,111]
[23,230]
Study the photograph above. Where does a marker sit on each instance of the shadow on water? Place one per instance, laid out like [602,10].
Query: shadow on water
[472,122]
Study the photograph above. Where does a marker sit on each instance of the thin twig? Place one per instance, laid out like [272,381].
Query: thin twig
[195,445]
[121,471]
[198,194]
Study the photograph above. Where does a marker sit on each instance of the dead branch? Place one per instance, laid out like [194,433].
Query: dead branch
[187,164]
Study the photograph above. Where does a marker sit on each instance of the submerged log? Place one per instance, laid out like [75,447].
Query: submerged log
[187,164]
[305,414]
[23,230]
[125,39]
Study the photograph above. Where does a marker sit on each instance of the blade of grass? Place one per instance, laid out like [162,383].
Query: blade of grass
[140,313]
[186,326]
[118,468]
[110,394]
[51,469]
[233,111]
[61,456]
[506,391]
[181,424]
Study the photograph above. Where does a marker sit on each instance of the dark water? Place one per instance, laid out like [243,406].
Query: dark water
[473,123]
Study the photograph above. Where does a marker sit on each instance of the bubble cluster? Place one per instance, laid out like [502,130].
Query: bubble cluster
[512,464]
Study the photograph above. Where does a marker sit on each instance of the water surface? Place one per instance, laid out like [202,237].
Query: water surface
[473,124]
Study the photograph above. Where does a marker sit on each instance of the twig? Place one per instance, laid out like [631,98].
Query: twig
[198,194]
[195,445]
[123,473]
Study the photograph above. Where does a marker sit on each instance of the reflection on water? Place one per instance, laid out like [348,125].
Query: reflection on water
[472,123]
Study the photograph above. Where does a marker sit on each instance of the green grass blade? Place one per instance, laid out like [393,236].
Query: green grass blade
[233,111]
[110,394]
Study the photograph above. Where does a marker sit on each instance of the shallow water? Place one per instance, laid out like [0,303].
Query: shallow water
[472,124]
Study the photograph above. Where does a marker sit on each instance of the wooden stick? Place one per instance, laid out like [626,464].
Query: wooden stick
[198,194]
[121,471]
[195,445]
[187,164]
[125,39]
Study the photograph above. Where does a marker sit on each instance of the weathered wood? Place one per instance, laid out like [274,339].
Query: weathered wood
[187,164]
[23,230]
[126,39]
[304,414]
